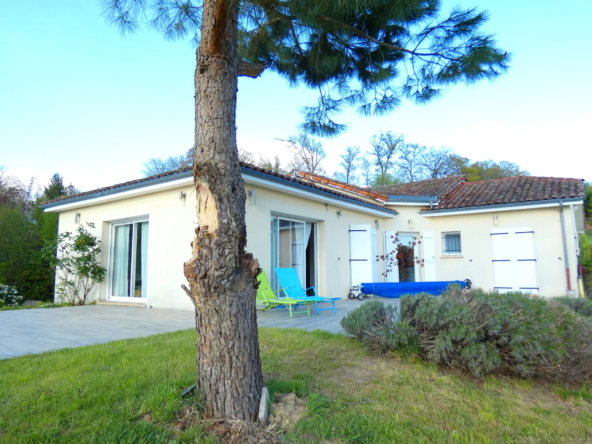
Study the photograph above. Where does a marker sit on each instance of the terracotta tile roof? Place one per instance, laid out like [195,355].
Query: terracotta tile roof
[367,192]
[433,187]
[183,172]
[511,190]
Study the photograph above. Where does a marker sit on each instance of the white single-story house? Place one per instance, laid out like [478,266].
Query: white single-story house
[519,233]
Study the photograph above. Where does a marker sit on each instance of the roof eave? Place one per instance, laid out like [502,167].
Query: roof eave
[162,181]
[118,190]
[502,207]
[398,199]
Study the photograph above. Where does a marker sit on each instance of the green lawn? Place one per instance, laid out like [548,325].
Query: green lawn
[101,393]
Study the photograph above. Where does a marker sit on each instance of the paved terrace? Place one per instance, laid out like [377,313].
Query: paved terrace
[39,330]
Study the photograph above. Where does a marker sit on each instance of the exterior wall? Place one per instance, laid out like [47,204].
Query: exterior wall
[172,222]
[333,234]
[170,232]
[171,227]
[475,263]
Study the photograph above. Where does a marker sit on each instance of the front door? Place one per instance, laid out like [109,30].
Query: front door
[401,249]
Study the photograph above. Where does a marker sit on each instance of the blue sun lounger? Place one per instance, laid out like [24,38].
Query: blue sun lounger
[291,288]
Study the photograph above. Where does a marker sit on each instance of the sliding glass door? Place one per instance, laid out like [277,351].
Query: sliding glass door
[289,243]
[128,265]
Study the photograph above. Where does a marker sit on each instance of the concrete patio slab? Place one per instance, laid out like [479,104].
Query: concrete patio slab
[39,330]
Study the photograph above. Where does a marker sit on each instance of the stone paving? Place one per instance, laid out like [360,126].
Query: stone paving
[39,330]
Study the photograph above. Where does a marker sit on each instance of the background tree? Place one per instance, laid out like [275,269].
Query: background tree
[366,173]
[489,170]
[307,154]
[588,201]
[271,163]
[55,189]
[24,230]
[156,166]
[348,164]
[457,165]
[354,54]
[246,156]
[384,151]
[434,163]
[409,162]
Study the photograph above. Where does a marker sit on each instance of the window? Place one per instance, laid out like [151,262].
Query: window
[451,243]
[128,265]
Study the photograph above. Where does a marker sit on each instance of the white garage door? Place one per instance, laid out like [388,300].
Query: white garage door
[514,263]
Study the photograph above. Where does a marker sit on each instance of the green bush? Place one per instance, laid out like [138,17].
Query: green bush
[581,306]
[483,333]
[9,297]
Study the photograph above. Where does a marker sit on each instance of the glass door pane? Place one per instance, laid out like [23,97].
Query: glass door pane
[298,250]
[140,258]
[274,253]
[121,263]
[406,258]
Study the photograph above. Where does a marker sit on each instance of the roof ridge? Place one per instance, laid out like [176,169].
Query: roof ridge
[528,177]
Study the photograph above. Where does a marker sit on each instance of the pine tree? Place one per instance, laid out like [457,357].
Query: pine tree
[368,54]
[55,189]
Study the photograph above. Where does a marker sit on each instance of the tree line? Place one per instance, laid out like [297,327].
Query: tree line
[389,159]
[25,230]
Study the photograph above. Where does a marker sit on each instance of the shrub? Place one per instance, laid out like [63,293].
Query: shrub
[77,265]
[483,333]
[581,306]
[9,297]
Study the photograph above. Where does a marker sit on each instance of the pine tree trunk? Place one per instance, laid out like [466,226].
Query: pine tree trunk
[221,275]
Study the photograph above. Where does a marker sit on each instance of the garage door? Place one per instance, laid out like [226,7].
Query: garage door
[514,262]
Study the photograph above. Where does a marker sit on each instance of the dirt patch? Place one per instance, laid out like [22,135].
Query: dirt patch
[359,376]
[286,411]
[231,432]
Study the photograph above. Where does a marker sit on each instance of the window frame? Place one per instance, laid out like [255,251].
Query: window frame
[447,253]
[112,226]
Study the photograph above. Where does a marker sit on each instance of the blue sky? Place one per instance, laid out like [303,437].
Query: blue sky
[78,99]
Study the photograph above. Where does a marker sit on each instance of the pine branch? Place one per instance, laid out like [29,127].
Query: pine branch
[378,42]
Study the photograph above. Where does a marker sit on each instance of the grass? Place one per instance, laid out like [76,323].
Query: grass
[38,305]
[100,393]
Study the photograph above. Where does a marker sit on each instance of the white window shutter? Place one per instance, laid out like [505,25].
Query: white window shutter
[503,278]
[502,244]
[360,247]
[514,262]
[525,269]
[429,256]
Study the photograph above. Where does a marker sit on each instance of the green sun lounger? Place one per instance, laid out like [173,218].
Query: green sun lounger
[267,298]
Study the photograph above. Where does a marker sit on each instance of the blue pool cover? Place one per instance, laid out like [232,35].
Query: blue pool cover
[398,289]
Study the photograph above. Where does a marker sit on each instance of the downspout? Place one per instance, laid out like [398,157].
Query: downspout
[565,246]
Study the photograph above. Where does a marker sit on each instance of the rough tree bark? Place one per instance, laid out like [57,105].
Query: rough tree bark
[221,274]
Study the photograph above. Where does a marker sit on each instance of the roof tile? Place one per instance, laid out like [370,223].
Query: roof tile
[511,190]
[432,187]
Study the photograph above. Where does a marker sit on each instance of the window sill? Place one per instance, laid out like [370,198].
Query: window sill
[452,256]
